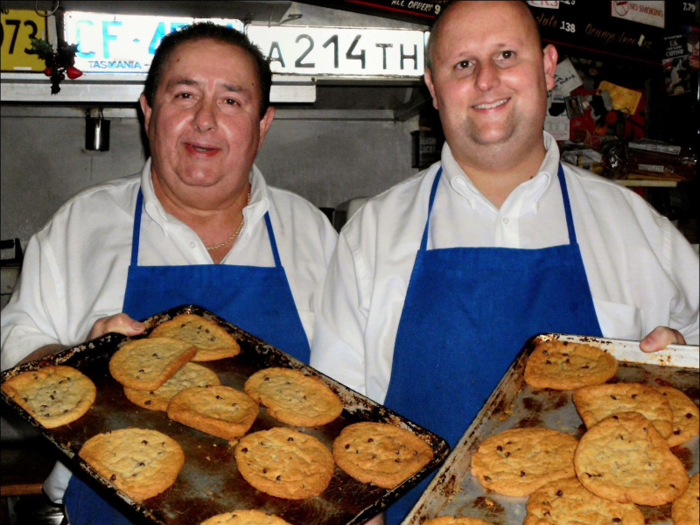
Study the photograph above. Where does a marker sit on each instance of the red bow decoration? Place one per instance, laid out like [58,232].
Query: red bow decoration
[58,63]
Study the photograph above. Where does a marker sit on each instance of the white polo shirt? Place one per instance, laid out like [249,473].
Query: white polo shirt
[642,272]
[75,268]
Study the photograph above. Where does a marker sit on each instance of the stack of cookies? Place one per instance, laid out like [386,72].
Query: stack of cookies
[154,371]
[624,459]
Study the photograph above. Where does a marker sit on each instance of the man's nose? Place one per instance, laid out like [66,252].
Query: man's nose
[487,76]
[205,115]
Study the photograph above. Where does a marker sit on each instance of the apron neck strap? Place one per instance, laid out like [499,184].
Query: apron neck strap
[137,230]
[136,235]
[567,206]
[564,192]
[433,191]
[273,241]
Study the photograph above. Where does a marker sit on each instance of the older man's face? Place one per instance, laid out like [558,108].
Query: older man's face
[204,127]
[489,77]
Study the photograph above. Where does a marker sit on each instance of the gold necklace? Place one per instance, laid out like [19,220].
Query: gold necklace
[235,234]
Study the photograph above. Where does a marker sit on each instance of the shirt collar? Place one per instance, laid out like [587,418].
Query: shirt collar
[531,191]
[259,200]
[253,213]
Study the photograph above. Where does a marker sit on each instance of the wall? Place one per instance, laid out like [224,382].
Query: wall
[43,161]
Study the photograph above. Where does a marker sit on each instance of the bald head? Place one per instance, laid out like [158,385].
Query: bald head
[519,9]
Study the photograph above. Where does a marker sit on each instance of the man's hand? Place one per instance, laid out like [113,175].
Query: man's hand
[659,338]
[118,323]
[377,520]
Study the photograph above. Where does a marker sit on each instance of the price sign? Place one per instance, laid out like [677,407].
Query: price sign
[16,30]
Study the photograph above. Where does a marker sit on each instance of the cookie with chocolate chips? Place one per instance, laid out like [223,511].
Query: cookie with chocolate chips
[212,341]
[567,501]
[686,509]
[519,461]
[140,462]
[189,376]
[562,365]
[219,410]
[380,454]
[624,459]
[53,395]
[244,517]
[285,463]
[292,397]
[145,364]
[595,403]
[686,417]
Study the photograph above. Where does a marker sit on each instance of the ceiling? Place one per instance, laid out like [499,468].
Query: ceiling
[271,11]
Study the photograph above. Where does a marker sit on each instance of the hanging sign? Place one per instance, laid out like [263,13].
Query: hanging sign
[647,12]
[18,27]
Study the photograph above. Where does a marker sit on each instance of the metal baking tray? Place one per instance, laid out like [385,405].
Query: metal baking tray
[209,483]
[514,404]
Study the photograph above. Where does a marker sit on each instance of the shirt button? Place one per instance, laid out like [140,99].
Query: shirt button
[193,245]
[505,220]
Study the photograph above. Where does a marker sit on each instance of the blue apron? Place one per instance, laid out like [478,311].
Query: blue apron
[491,300]
[257,299]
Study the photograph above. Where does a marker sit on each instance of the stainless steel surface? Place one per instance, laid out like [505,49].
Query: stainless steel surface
[454,491]
[209,482]
[116,89]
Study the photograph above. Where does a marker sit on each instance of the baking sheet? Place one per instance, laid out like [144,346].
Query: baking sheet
[514,404]
[209,482]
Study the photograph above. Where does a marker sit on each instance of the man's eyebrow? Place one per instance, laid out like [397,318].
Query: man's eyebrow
[234,88]
[182,82]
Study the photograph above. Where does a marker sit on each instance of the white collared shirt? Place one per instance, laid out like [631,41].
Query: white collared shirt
[75,268]
[642,272]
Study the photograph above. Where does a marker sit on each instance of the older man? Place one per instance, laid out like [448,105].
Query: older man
[198,225]
[438,282]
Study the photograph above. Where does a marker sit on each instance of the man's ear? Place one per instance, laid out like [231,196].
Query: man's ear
[146,111]
[428,75]
[265,123]
[550,64]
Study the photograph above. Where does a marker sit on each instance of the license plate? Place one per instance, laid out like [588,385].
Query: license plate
[122,43]
[17,28]
[341,51]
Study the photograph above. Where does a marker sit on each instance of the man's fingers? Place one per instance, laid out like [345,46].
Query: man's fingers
[119,323]
[659,338]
